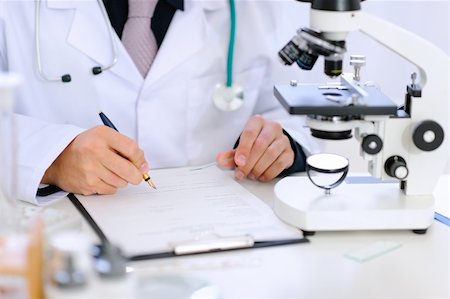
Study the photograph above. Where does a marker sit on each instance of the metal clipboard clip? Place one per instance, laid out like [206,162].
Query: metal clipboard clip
[213,244]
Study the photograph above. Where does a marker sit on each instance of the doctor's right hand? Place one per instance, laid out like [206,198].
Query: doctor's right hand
[98,161]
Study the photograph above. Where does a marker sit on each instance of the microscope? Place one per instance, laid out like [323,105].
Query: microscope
[405,147]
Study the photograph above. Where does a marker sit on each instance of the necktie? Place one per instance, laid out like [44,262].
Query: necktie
[137,36]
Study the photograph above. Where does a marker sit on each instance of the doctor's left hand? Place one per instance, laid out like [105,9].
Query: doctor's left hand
[264,151]
[98,161]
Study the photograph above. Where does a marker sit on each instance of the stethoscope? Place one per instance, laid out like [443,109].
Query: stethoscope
[226,97]
[66,78]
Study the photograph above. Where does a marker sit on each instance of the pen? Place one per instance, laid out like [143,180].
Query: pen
[107,122]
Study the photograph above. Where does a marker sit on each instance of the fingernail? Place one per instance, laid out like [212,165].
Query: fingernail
[144,167]
[239,175]
[240,160]
[252,176]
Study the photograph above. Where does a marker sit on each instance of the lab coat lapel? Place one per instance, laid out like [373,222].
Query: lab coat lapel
[89,34]
[61,4]
[185,37]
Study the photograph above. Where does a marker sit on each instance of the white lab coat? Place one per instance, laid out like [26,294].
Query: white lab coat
[171,113]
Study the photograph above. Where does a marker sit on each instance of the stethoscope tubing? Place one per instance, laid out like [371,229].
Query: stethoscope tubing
[67,77]
[231,43]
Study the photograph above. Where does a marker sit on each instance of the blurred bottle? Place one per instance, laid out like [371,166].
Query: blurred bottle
[20,247]
[8,152]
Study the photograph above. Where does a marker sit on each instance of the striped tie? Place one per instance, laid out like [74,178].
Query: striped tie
[137,36]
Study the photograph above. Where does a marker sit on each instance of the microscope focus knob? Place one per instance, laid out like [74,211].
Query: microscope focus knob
[395,167]
[372,144]
[428,135]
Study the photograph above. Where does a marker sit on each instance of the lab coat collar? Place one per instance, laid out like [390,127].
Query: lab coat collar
[211,5]
[61,4]
[178,4]
[185,37]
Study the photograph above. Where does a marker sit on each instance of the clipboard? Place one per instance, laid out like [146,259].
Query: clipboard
[193,247]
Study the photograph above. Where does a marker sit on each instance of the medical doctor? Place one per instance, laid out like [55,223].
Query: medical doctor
[77,58]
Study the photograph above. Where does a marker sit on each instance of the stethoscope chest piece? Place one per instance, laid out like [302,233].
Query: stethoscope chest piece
[228,98]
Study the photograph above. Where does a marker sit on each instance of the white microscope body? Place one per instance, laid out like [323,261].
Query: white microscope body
[414,151]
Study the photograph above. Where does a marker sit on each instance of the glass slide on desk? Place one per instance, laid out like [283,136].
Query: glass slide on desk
[205,206]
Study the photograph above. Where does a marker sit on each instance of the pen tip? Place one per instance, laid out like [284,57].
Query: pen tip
[151,184]
[149,181]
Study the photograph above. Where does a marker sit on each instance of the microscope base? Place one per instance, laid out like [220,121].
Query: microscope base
[351,206]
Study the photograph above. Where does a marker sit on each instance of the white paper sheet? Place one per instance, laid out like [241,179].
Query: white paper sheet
[188,205]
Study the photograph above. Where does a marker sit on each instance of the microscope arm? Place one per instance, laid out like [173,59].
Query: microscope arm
[430,60]
[434,66]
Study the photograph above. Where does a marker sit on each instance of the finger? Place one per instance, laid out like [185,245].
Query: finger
[126,147]
[226,159]
[284,161]
[110,178]
[247,138]
[104,188]
[92,184]
[266,137]
[268,158]
[121,167]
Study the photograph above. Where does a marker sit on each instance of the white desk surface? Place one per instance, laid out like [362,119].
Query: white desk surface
[420,268]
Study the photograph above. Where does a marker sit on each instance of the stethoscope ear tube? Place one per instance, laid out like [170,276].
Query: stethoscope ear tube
[97,70]
[66,78]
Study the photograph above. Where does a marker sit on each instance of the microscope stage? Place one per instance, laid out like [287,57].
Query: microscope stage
[314,99]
